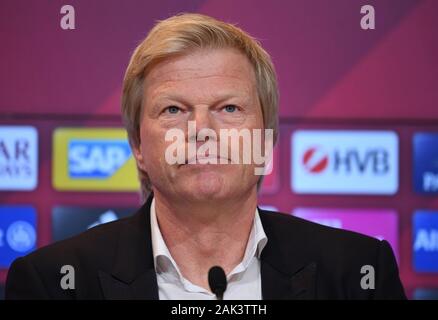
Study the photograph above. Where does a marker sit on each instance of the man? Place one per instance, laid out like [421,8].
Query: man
[198,214]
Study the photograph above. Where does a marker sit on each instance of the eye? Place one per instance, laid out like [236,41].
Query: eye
[172,109]
[230,108]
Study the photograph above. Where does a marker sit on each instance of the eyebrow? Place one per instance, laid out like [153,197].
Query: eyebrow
[218,98]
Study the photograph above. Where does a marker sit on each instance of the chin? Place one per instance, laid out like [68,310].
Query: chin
[207,186]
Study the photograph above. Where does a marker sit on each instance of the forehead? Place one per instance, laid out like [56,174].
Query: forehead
[203,70]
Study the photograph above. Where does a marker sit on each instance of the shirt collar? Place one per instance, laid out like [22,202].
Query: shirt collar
[165,264]
[163,261]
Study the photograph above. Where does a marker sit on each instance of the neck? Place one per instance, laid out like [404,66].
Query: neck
[201,235]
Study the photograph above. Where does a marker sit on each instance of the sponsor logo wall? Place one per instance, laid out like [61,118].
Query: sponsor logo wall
[358,180]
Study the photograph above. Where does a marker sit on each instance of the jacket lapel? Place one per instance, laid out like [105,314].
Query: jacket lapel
[133,274]
[279,286]
[285,273]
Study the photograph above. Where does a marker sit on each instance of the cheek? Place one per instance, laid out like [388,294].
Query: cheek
[253,118]
[153,147]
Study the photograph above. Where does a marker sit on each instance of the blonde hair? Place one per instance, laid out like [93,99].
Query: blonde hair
[179,35]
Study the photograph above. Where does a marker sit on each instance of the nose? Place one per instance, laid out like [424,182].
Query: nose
[201,115]
[203,119]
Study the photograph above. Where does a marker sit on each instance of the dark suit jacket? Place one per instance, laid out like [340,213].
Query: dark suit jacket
[302,260]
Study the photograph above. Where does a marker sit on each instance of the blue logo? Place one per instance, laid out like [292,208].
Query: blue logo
[425,238]
[425,294]
[426,163]
[96,159]
[17,233]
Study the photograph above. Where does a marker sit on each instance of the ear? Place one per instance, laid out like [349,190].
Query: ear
[136,151]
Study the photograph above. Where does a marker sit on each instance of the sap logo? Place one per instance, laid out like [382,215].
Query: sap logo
[426,240]
[93,159]
[96,158]
[350,162]
[374,161]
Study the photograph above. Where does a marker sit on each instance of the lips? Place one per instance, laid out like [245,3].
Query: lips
[213,159]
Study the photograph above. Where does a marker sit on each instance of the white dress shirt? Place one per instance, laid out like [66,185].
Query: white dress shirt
[244,281]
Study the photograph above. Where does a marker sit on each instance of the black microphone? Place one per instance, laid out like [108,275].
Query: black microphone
[217,281]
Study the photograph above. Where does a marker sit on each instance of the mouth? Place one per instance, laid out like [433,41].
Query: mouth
[207,160]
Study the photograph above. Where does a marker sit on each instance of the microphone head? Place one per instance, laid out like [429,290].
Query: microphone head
[217,281]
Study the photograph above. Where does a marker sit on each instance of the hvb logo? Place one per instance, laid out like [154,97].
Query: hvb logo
[315,160]
[426,163]
[375,160]
[93,159]
[330,162]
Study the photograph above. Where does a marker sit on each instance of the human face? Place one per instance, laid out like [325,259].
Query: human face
[216,88]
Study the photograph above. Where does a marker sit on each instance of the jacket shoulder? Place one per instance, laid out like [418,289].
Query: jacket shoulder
[97,241]
[336,251]
[286,225]
[341,257]
[38,274]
